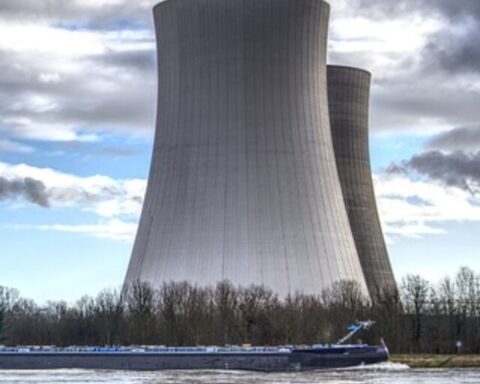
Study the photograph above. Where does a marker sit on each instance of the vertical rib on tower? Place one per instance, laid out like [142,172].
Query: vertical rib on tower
[243,183]
[348,97]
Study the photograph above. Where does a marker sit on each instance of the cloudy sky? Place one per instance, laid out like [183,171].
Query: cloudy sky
[77,99]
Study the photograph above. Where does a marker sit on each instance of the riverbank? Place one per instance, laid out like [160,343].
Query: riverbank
[438,361]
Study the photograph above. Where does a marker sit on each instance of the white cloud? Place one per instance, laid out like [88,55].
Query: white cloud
[97,3]
[116,202]
[57,83]
[415,208]
[355,34]
[395,41]
[113,229]
[381,46]
[414,231]
[102,195]
[15,147]
[38,38]
[49,78]
[82,72]
[27,128]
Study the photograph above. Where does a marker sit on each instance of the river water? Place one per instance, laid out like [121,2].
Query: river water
[386,373]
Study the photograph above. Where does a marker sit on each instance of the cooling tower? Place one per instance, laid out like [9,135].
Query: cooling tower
[348,96]
[243,184]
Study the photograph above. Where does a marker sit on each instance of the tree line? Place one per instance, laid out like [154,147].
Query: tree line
[418,317]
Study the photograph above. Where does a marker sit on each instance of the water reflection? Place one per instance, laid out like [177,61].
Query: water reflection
[380,374]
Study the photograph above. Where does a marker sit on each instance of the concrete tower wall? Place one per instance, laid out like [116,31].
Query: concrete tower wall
[243,183]
[348,95]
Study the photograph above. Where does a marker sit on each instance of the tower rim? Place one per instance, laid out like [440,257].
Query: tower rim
[349,67]
[166,2]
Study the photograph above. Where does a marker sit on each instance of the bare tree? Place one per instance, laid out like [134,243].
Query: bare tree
[8,298]
[225,305]
[415,292]
[141,306]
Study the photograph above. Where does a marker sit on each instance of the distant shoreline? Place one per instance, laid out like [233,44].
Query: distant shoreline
[437,361]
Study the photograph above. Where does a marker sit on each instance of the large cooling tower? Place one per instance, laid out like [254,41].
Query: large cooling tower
[243,183]
[348,95]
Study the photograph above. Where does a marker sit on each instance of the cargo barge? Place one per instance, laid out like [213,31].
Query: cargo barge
[266,359]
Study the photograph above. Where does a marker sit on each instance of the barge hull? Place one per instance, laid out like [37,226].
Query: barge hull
[275,362]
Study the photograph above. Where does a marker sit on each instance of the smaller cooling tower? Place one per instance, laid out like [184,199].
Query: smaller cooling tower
[348,98]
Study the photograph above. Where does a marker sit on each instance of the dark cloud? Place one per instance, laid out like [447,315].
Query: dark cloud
[464,138]
[116,91]
[455,169]
[127,110]
[28,188]
[140,60]
[401,104]
[44,195]
[396,169]
[455,50]
[379,8]
[433,86]
[110,91]
[80,14]
[450,9]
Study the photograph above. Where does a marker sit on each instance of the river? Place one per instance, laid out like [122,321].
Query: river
[386,373]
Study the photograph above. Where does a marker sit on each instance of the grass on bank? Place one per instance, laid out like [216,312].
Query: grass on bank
[438,361]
